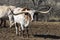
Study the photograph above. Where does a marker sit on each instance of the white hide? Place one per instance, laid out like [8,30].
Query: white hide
[21,20]
[17,10]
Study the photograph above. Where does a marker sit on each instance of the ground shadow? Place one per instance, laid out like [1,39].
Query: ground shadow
[47,36]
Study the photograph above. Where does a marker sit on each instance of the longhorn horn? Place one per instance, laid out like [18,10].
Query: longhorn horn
[45,11]
[25,11]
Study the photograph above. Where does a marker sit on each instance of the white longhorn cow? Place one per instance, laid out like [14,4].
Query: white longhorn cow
[5,11]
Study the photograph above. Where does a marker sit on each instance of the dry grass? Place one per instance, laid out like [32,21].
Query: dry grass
[43,29]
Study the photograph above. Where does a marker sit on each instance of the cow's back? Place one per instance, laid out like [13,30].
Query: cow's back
[3,11]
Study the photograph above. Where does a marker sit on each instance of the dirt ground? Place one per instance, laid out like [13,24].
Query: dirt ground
[37,31]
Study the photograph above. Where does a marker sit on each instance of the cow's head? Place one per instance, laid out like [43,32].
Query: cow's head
[27,16]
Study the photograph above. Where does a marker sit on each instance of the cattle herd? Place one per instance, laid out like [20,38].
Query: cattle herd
[22,16]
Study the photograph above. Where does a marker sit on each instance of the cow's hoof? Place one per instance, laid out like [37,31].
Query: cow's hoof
[32,20]
[17,34]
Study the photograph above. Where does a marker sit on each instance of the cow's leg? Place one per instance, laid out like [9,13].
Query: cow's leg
[1,22]
[27,31]
[22,28]
[4,23]
[26,27]
[26,34]
[11,24]
[19,30]
[16,29]
[11,20]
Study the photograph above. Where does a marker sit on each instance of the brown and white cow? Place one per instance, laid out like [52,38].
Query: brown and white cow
[18,10]
[24,18]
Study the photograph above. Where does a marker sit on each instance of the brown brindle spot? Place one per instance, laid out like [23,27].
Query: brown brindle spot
[27,17]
